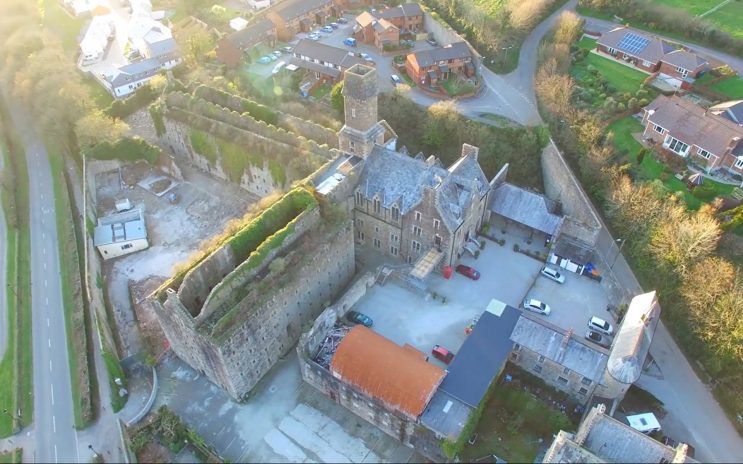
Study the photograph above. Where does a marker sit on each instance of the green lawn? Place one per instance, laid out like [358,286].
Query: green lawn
[100,96]
[728,18]
[58,20]
[454,86]
[113,367]
[732,87]
[320,91]
[11,457]
[651,168]
[694,7]
[587,43]
[623,78]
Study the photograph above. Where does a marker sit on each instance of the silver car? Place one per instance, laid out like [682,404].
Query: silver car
[600,325]
[536,306]
[552,274]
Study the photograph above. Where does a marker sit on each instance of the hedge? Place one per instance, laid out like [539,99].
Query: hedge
[202,144]
[123,108]
[125,149]
[222,98]
[156,112]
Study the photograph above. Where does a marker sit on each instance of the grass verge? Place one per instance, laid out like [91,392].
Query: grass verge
[72,298]
[12,457]
[113,367]
[16,387]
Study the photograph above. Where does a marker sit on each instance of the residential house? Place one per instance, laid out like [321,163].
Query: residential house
[601,438]
[99,34]
[325,62]
[639,49]
[293,16]
[428,67]
[129,78]
[732,111]
[120,234]
[144,32]
[375,31]
[677,67]
[690,131]
[230,49]
[407,17]
[258,4]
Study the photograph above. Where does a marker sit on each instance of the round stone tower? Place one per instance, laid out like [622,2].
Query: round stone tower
[362,129]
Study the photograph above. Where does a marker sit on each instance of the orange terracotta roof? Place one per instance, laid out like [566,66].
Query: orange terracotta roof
[398,376]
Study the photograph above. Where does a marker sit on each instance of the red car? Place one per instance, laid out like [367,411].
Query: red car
[467,271]
[442,354]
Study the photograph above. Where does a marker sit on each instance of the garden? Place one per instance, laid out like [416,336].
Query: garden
[721,83]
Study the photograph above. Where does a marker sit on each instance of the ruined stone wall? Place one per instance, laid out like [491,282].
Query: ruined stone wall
[561,185]
[237,362]
[200,280]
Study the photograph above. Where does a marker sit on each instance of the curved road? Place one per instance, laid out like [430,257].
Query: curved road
[55,435]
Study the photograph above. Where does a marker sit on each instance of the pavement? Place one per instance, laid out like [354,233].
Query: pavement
[5,295]
[55,436]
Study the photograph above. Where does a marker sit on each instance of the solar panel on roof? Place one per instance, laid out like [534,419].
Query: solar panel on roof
[633,43]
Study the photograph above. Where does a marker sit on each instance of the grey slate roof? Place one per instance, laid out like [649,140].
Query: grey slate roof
[291,9]
[732,111]
[121,227]
[326,53]
[632,341]
[614,441]
[445,414]
[653,52]
[685,59]
[136,71]
[546,339]
[691,124]
[162,47]
[399,180]
[402,11]
[481,357]
[426,58]
[526,208]
[251,34]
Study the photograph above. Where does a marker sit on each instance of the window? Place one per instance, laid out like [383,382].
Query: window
[415,246]
[739,163]
[393,250]
[703,153]
[613,51]
[586,381]
[541,359]
[646,63]
[658,129]
[360,235]
[678,147]
[682,71]
[394,238]
[317,76]
[562,380]
[359,222]
[395,213]
[517,347]
[418,216]
[376,229]
[127,246]
[537,368]
[436,224]
[417,231]
[353,112]
[375,205]
[377,243]
[514,356]
[566,371]
[359,198]
[582,391]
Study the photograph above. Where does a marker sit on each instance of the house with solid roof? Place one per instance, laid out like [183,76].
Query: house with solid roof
[678,67]
[407,17]
[293,16]
[231,48]
[120,234]
[376,31]
[704,136]
[324,62]
[428,67]
[731,110]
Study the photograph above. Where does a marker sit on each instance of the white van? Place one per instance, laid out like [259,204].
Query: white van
[645,423]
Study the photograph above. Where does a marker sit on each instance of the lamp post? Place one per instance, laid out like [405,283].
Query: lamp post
[621,242]
[90,447]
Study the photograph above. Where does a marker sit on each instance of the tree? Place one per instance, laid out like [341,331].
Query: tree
[96,127]
[569,28]
[336,97]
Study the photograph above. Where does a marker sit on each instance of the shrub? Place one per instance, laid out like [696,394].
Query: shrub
[632,103]
[643,102]
[123,108]
[156,113]
[641,155]
[125,149]
[704,192]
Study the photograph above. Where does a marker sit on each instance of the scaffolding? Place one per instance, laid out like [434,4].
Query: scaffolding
[329,344]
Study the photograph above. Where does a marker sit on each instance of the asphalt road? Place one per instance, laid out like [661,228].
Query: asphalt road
[55,435]
[6,294]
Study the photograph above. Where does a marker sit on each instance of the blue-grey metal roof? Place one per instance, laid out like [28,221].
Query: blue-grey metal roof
[446,415]
[525,207]
[136,71]
[162,47]
[481,357]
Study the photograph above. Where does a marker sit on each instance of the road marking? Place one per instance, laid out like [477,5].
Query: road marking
[47,322]
[54,422]
[49,342]
[43,250]
[43,235]
[50,365]
[52,387]
[42,196]
[45,283]
[46,300]
[45,265]
[55,454]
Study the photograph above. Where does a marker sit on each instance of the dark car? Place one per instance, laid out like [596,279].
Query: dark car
[442,354]
[432,42]
[342,21]
[467,271]
[598,338]
[358,318]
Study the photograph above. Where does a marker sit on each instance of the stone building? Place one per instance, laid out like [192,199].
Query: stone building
[294,16]
[601,438]
[237,310]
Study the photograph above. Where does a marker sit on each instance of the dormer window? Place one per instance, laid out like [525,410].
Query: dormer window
[418,216]
[359,198]
[395,213]
[376,206]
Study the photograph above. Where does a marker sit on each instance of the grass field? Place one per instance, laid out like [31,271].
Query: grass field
[728,17]
[623,78]
[63,24]
[11,457]
[694,7]
[651,168]
[586,43]
[732,87]
[113,367]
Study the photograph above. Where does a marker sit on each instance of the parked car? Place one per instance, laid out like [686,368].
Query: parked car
[366,57]
[349,41]
[313,37]
[442,354]
[395,79]
[432,42]
[599,339]
[277,53]
[264,59]
[333,25]
[342,21]
[272,57]
[287,49]
[536,306]
[359,318]
[552,274]
[468,271]
[326,29]
[600,325]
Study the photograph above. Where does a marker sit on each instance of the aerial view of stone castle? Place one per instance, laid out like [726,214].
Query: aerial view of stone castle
[361,231]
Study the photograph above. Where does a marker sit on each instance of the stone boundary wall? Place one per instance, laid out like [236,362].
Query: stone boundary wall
[445,35]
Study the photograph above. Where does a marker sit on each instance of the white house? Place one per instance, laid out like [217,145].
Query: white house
[97,37]
[121,234]
[238,24]
[144,31]
[258,4]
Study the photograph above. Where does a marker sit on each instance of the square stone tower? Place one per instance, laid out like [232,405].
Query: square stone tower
[362,127]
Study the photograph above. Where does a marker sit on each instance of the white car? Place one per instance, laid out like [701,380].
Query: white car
[536,306]
[366,57]
[552,274]
[600,325]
